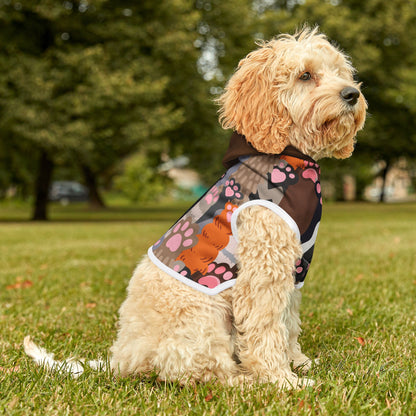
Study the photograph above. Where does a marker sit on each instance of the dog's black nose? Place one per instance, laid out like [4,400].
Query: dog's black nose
[350,95]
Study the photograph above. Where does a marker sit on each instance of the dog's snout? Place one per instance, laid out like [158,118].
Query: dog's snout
[350,95]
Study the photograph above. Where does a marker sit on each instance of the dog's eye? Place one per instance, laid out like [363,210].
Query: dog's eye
[306,76]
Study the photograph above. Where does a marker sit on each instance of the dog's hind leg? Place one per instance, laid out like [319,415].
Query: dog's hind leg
[198,349]
[173,329]
[140,325]
[267,252]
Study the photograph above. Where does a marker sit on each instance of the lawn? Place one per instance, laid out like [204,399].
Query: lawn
[62,282]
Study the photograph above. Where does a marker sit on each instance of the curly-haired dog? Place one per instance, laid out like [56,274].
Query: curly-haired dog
[218,295]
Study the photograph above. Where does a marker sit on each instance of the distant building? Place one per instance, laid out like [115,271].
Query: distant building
[187,181]
[398,185]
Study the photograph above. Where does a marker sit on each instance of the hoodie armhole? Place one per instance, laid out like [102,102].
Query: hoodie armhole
[267,204]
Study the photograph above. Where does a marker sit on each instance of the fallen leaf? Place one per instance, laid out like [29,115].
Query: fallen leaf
[361,341]
[91,305]
[209,396]
[10,287]
[20,285]
[301,404]
[349,312]
[359,277]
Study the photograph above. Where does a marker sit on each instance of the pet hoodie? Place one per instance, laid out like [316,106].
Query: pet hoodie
[200,248]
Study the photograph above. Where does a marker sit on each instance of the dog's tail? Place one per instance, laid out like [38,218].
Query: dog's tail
[71,365]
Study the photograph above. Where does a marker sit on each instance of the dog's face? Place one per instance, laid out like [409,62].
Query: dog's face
[296,90]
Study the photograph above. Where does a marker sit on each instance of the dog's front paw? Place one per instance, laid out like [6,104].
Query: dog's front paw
[306,382]
[303,364]
[297,383]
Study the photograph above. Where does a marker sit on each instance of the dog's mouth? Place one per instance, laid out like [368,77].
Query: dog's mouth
[346,121]
[332,126]
[349,117]
[340,128]
[329,125]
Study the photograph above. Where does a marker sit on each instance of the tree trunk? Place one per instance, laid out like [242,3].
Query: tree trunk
[384,177]
[42,185]
[95,199]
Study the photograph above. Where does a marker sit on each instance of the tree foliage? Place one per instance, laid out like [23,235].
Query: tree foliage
[87,84]
[140,181]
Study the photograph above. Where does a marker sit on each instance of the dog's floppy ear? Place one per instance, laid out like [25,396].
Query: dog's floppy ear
[251,104]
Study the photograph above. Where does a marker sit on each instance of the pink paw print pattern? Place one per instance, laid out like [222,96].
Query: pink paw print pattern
[228,192]
[301,268]
[312,165]
[232,190]
[312,172]
[183,236]
[229,209]
[179,267]
[283,175]
[216,274]
[212,196]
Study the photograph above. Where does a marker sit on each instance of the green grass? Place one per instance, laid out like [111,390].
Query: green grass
[63,281]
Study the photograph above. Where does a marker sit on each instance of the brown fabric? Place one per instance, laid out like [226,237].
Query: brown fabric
[300,204]
[239,146]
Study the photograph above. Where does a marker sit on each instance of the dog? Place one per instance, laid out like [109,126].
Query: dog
[217,297]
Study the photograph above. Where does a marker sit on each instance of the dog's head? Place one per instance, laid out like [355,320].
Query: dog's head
[296,90]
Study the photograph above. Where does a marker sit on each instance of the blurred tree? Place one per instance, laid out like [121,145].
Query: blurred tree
[140,181]
[16,166]
[81,82]
[89,83]
[224,34]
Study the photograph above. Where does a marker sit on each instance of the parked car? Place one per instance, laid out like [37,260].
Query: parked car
[68,191]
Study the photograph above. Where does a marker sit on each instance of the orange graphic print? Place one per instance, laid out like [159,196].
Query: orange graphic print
[214,237]
[295,162]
